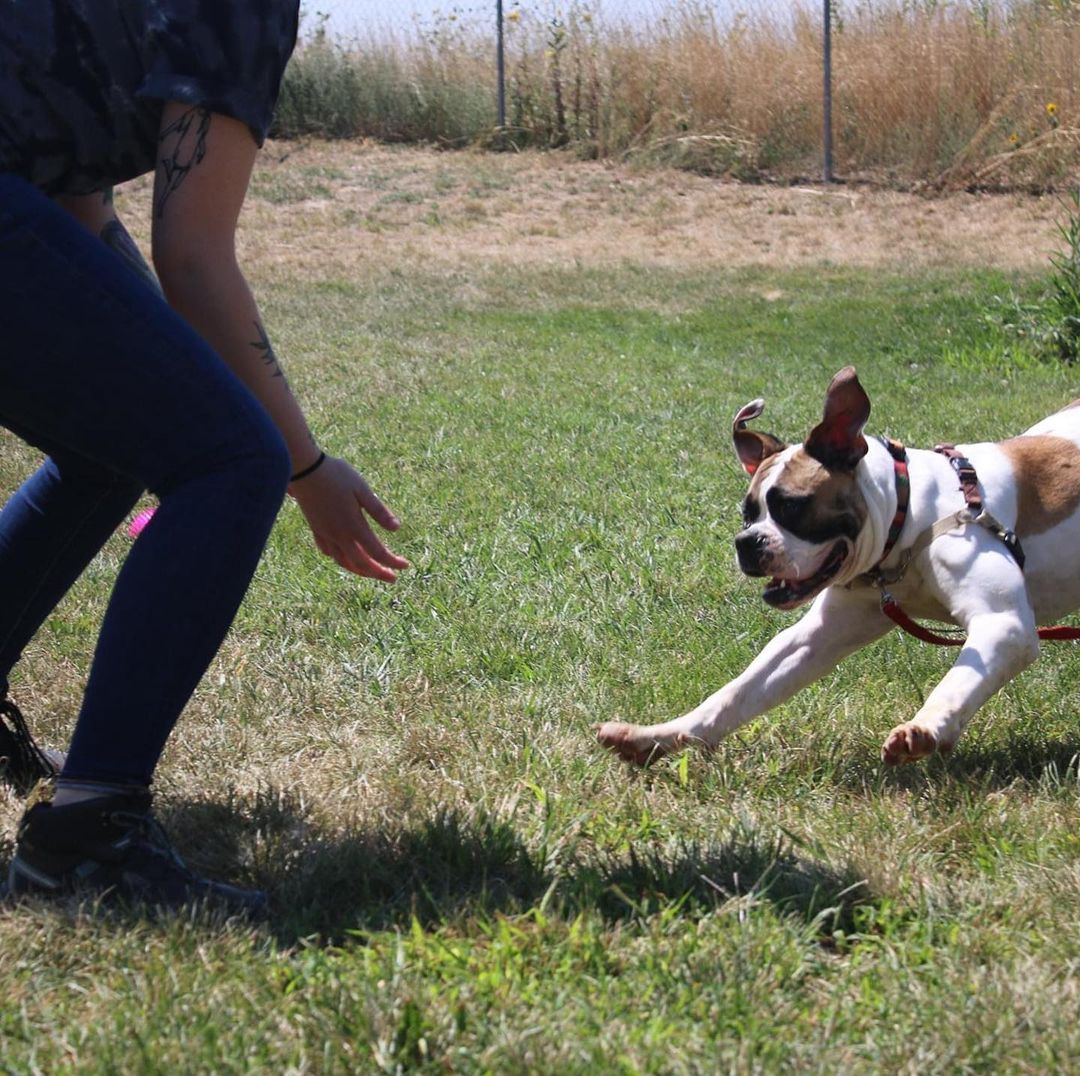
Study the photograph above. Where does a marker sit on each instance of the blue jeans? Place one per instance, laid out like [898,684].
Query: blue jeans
[123,396]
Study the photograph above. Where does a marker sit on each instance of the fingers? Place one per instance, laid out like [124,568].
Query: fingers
[376,509]
[360,563]
[363,554]
[337,502]
[354,558]
[374,548]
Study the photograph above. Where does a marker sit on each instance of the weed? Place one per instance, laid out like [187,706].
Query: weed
[1049,324]
[1064,298]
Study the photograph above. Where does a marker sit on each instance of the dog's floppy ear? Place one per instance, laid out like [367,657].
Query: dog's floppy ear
[752,447]
[837,441]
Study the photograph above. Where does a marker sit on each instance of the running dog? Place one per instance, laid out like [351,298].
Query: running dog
[986,536]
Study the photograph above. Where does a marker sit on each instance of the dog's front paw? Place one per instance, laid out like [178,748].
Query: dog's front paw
[630,742]
[908,743]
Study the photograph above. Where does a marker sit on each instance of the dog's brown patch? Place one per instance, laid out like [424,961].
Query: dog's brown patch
[1075,403]
[834,494]
[767,466]
[1047,470]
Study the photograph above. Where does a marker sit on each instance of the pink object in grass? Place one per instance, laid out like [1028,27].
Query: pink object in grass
[138,524]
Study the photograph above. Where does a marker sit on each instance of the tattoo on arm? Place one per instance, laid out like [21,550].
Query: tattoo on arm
[266,352]
[115,236]
[183,145]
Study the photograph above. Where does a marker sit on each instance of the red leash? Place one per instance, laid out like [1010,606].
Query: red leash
[1057,633]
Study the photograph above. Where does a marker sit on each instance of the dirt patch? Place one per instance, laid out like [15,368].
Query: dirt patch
[350,209]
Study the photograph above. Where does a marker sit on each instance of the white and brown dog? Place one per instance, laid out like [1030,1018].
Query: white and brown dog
[841,520]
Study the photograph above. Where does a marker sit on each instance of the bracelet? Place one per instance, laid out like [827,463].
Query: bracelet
[309,470]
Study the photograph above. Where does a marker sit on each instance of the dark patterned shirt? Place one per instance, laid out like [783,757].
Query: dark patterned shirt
[82,81]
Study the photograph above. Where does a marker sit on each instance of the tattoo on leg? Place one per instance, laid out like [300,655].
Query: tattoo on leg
[266,352]
[183,145]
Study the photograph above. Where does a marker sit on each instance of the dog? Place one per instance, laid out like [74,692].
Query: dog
[825,522]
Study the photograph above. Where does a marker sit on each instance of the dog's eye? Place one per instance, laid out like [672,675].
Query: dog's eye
[751,510]
[786,509]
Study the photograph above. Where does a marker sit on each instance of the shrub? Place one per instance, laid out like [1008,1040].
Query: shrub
[1050,323]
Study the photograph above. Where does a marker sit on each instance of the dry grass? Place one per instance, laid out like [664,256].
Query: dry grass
[923,93]
[361,209]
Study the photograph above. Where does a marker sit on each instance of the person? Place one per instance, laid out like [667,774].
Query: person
[127,390]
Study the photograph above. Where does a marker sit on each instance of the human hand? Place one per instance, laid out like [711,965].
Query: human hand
[336,501]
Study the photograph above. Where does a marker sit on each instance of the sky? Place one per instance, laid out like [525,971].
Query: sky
[350,16]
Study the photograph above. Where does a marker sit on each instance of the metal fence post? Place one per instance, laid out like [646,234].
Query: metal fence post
[826,134]
[500,62]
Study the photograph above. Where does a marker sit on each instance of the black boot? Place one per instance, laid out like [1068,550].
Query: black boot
[112,846]
[22,762]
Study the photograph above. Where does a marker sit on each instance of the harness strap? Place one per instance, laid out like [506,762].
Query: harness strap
[969,480]
[973,512]
[976,510]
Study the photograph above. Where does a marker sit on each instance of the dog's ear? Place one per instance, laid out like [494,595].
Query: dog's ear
[837,441]
[752,447]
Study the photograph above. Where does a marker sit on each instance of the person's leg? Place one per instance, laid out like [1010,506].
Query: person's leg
[124,384]
[50,530]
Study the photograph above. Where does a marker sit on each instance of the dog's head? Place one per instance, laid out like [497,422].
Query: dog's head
[804,512]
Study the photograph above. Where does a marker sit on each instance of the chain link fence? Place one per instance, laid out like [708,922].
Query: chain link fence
[964,92]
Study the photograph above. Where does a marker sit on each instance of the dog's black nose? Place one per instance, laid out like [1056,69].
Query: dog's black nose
[749,549]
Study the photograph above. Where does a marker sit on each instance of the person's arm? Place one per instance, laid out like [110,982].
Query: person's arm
[204,166]
[97,214]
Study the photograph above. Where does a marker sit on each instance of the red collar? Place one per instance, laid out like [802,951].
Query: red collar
[975,512]
[903,497]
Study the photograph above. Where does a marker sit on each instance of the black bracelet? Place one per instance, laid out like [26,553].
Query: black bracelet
[309,470]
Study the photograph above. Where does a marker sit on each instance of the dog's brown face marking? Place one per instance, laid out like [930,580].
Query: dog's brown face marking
[751,509]
[807,499]
[1047,470]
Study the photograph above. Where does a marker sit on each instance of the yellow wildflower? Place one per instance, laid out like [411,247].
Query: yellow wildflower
[1051,109]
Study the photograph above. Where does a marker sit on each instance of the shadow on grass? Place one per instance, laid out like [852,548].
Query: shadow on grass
[1024,757]
[451,867]
[982,764]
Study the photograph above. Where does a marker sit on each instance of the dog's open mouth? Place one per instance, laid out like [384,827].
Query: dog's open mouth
[789,593]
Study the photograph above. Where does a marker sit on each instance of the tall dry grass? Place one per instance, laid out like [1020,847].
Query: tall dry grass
[974,91]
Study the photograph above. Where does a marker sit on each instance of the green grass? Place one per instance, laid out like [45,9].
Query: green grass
[462,881]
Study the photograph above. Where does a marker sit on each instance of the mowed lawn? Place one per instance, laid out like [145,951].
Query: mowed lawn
[462,880]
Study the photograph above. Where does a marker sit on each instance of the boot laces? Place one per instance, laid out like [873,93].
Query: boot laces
[154,839]
[26,757]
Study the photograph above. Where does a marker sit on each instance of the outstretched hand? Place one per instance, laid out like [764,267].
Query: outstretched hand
[336,501]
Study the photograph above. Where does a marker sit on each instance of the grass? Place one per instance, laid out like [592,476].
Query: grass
[461,879]
[978,93]
[1050,324]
